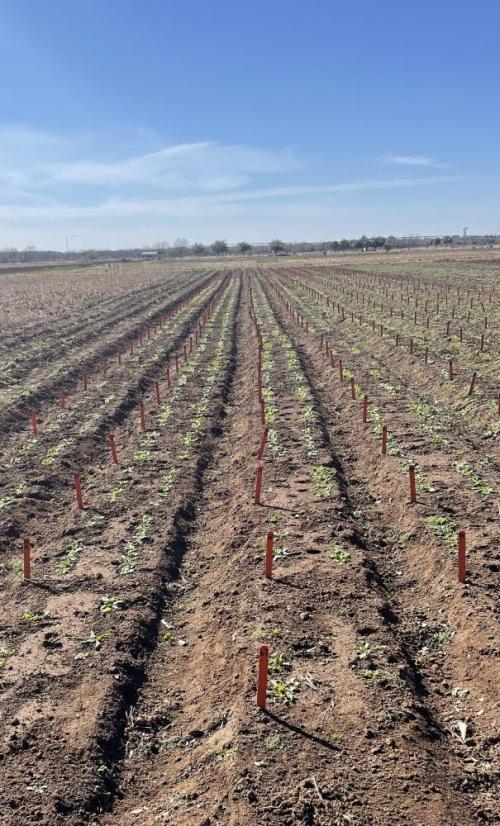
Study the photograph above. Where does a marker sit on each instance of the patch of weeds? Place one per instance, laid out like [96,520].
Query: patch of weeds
[443,528]
[129,559]
[285,691]
[273,742]
[280,553]
[465,469]
[323,480]
[266,633]
[169,637]
[71,557]
[109,604]
[5,653]
[29,616]
[118,489]
[339,554]
[272,518]
[370,675]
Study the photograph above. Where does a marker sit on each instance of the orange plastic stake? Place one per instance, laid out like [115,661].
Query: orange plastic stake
[461,556]
[112,445]
[341,372]
[263,442]
[142,416]
[365,409]
[262,676]
[413,485]
[450,369]
[332,363]
[472,383]
[27,559]
[268,565]
[353,388]
[258,485]
[34,423]
[384,440]
[157,393]
[78,490]
[185,352]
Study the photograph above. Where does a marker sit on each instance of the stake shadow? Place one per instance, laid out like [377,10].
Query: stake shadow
[320,741]
[281,581]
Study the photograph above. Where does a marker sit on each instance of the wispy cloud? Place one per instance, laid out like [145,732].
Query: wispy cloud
[414,160]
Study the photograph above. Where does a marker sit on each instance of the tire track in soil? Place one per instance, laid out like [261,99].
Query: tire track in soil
[414,594]
[194,735]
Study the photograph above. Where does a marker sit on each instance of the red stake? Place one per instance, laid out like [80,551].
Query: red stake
[34,423]
[112,445]
[262,676]
[268,565]
[131,347]
[482,344]
[258,485]
[365,409]
[119,356]
[341,372]
[472,383]
[157,393]
[384,440]
[168,376]
[176,363]
[63,400]
[263,442]
[450,369]
[332,363]
[185,352]
[85,382]
[27,559]
[78,490]
[413,486]
[142,416]
[353,388]
[461,556]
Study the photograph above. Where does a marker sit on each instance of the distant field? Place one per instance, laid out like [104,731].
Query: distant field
[128,654]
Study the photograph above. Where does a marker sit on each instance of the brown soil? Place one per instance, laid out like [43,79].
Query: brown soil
[382,651]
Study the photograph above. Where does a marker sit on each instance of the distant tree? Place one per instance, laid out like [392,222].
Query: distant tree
[161,247]
[199,249]
[390,243]
[362,243]
[244,247]
[276,246]
[378,241]
[437,241]
[334,245]
[447,239]
[219,247]
[180,245]
[344,244]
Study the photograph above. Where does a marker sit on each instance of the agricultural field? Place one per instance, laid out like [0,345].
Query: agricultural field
[249,543]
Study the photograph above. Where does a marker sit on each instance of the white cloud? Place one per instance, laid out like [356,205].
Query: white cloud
[414,160]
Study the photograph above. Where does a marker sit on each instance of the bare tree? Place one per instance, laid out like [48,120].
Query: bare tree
[276,246]
[244,247]
[180,245]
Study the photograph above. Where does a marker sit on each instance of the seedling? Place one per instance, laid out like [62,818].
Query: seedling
[285,691]
[71,557]
[339,554]
[5,653]
[443,528]
[370,675]
[266,633]
[29,616]
[323,480]
[95,640]
[109,604]
[363,650]
[278,663]
[221,752]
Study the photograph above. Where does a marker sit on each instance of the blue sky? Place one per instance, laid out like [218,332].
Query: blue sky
[125,123]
